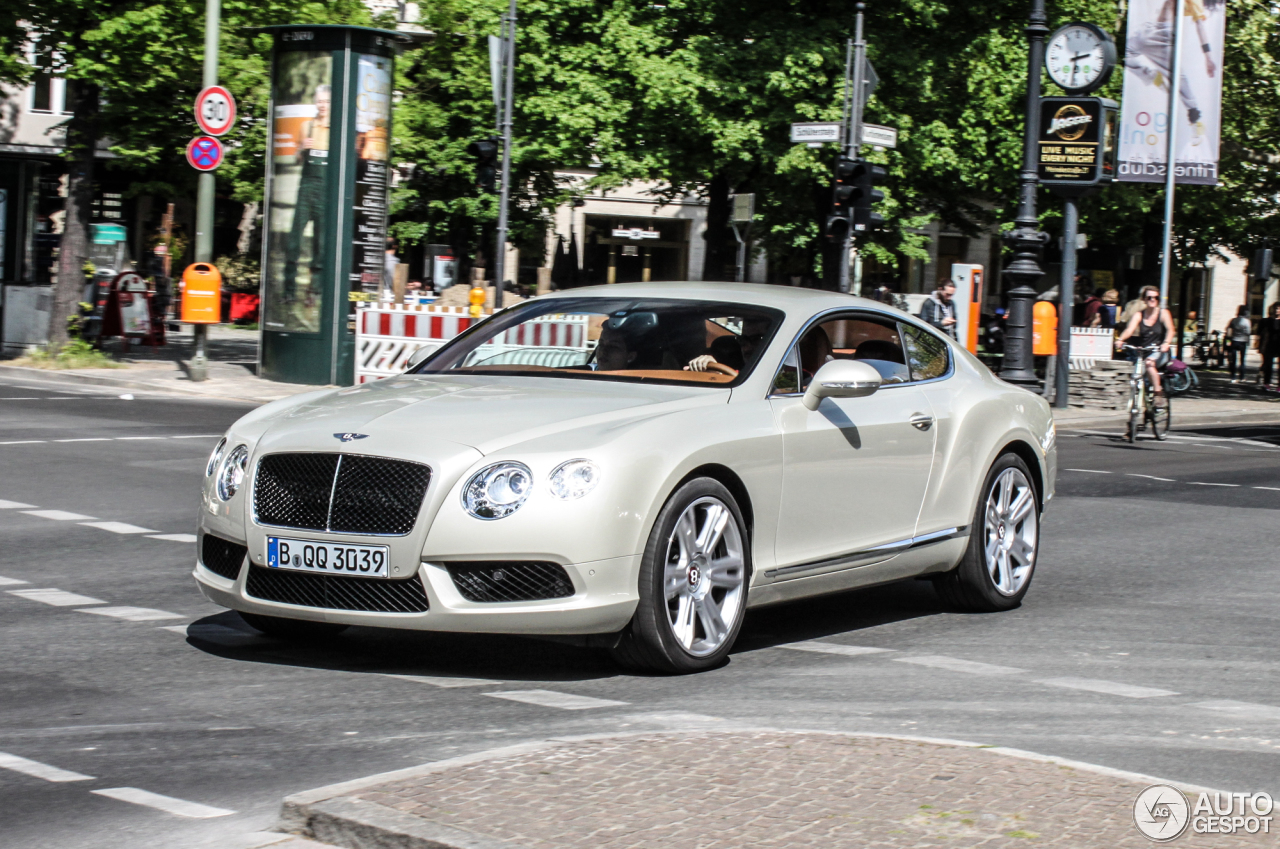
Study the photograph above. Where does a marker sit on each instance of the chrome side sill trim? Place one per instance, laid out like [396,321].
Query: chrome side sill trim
[852,558]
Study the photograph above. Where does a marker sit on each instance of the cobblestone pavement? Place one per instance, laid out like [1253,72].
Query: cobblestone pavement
[780,790]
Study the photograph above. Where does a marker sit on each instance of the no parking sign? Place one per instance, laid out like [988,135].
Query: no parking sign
[204,153]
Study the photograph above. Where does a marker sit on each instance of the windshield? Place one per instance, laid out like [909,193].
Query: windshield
[656,340]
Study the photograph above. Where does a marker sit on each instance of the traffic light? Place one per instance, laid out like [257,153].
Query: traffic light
[486,153]
[866,195]
[842,192]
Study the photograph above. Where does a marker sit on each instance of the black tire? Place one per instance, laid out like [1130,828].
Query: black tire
[970,587]
[649,642]
[1132,433]
[291,629]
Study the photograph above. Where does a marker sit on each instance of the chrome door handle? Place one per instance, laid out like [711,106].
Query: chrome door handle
[921,421]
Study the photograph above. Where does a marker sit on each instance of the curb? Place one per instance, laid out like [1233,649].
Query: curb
[53,376]
[1231,416]
[322,814]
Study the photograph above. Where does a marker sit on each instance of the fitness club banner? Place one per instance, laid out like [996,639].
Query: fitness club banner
[1144,117]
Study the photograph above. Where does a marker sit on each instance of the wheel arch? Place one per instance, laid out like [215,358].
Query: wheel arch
[729,478]
[1029,456]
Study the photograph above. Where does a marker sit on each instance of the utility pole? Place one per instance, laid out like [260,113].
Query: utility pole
[1026,239]
[1066,301]
[853,129]
[1175,83]
[205,193]
[508,86]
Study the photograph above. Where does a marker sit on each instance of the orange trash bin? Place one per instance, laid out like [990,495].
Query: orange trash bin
[1044,329]
[202,294]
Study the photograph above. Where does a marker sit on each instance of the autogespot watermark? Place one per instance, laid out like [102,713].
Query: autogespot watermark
[1163,813]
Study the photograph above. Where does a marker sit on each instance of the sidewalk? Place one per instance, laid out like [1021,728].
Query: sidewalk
[727,789]
[232,371]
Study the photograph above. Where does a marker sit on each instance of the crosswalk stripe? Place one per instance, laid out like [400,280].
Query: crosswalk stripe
[132,614]
[174,537]
[1241,710]
[10,582]
[832,648]
[168,804]
[1111,688]
[38,770]
[58,515]
[447,683]
[118,527]
[550,698]
[955,664]
[56,597]
[14,505]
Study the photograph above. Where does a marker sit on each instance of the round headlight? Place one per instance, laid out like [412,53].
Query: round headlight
[231,475]
[215,457]
[573,479]
[498,490]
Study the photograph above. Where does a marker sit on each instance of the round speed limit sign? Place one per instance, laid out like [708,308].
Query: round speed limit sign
[215,110]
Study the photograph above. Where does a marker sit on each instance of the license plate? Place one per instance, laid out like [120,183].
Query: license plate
[329,558]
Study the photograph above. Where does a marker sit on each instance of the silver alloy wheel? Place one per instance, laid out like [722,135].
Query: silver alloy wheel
[1011,528]
[703,576]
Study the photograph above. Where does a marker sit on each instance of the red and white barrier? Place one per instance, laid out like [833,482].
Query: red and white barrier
[387,335]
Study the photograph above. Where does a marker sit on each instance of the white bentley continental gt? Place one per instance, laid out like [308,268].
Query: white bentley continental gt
[633,466]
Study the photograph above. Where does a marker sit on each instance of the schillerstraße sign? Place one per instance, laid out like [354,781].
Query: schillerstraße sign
[1076,142]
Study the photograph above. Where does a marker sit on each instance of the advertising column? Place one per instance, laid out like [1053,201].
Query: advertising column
[326,215]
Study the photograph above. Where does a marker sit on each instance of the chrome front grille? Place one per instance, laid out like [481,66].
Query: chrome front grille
[343,493]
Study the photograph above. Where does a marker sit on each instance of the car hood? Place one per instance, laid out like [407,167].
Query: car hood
[484,413]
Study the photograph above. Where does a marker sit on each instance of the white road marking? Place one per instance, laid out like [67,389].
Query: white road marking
[447,683]
[174,537]
[13,505]
[179,629]
[1243,710]
[10,582]
[87,439]
[1203,483]
[39,770]
[550,698]
[831,648]
[1088,471]
[168,804]
[1272,488]
[1111,688]
[1152,477]
[22,442]
[55,597]
[118,527]
[198,436]
[58,515]
[111,438]
[132,614]
[955,664]
[30,398]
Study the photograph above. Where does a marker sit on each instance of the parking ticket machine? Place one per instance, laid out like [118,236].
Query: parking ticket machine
[968,300]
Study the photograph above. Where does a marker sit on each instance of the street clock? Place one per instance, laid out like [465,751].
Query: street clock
[1080,57]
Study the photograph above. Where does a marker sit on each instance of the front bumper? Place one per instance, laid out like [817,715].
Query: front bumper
[604,600]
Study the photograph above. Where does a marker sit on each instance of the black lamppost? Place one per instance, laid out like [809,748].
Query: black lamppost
[1026,239]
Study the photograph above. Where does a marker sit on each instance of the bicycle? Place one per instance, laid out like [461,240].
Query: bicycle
[1142,406]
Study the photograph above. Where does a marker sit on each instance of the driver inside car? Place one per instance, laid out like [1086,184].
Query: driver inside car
[729,354]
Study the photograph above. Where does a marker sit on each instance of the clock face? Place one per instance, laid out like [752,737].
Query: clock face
[1079,57]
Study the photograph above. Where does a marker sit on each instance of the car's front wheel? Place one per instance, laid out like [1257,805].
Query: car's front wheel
[291,629]
[693,583]
[1004,540]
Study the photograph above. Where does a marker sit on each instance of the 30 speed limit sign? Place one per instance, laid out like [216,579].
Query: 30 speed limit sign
[215,110]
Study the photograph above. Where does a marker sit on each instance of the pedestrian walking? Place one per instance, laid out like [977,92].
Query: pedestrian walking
[1110,305]
[1269,342]
[939,310]
[1093,310]
[1237,334]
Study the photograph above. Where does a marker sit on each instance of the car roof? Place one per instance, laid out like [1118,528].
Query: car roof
[755,294]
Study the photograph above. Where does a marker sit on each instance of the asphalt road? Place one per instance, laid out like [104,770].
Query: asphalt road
[1147,642]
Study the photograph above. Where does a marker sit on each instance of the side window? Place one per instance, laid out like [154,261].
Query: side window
[788,380]
[926,354]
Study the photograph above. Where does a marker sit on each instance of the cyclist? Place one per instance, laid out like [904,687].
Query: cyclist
[1153,325]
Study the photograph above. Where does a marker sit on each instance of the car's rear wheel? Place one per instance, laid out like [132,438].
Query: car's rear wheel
[291,629]
[1004,540]
[693,583]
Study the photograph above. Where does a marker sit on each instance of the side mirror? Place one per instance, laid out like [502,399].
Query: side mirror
[841,379]
[416,358]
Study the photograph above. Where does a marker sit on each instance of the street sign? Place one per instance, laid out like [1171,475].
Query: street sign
[874,134]
[215,110]
[816,133]
[636,233]
[204,153]
[1076,144]
[744,208]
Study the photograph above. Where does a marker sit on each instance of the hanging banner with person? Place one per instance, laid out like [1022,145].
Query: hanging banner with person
[1144,117]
